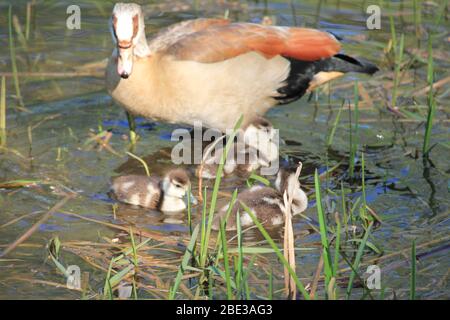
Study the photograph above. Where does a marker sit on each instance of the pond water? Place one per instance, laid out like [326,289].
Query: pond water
[65,103]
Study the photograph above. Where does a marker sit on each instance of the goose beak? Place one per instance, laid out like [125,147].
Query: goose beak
[125,62]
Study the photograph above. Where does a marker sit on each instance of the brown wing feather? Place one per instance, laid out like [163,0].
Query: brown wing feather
[224,41]
[176,32]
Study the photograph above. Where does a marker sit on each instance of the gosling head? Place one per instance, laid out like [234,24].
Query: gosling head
[127,29]
[176,184]
[261,135]
[288,182]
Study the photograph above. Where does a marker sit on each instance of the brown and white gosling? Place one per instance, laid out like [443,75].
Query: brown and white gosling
[166,194]
[265,203]
[256,147]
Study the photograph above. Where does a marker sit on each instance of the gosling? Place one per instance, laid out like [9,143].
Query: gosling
[266,203]
[255,148]
[167,194]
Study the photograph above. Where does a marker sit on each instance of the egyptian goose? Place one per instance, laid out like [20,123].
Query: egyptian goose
[213,71]
[167,194]
[265,203]
[255,148]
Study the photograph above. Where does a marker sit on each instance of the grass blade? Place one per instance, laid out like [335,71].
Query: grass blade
[270,297]
[323,232]
[431,101]
[215,193]
[187,256]
[144,164]
[189,209]
[223,237]
[12,51]
[107,288]
[397,72]
[28,21]
[357,261]
[132,128]
[335,124]
[240,260]
[354,132]
[412,293]
[337,244]
[280,256]
[3,113]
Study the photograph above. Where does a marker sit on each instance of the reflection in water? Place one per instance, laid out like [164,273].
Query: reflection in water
[427,168]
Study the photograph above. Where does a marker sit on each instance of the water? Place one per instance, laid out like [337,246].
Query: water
[411,196]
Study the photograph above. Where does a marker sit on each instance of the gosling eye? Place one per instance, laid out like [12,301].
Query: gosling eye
[264,128]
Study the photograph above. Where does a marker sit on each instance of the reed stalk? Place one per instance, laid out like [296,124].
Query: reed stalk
[12,51]
[431,101]
[3,113]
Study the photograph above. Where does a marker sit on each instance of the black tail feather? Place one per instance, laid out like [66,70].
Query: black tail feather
[302,72]
[343,63]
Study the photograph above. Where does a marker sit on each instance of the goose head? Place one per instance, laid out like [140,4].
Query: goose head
[128,34]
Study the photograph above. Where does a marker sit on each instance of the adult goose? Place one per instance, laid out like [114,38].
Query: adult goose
[213,71]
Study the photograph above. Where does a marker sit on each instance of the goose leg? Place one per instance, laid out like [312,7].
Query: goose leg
[132,127]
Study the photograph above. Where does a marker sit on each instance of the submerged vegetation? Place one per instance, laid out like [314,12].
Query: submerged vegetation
[374,155]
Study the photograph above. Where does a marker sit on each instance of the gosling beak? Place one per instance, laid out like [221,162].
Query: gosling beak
[190,198]
[125,62]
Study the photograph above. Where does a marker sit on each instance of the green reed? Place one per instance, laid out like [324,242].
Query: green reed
[12,51]
[204,257]
[277,251]
[354,131]
[337,244]
[357,261]
[363,209]
[215,192]
[344,208]
[393,35]
[238,272]
[189,209]
[256,178]
[334,127]
[270,297]
[20,35]
[398,50]
[132,127]
[412,291]
[144,164]
[239,263]
[28,21]
[397,71]
[3,112]
[417,17]
[135,262]
[223,238]
[328,266]
[184,263]
[441,12]
[431,100]
[113,280]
